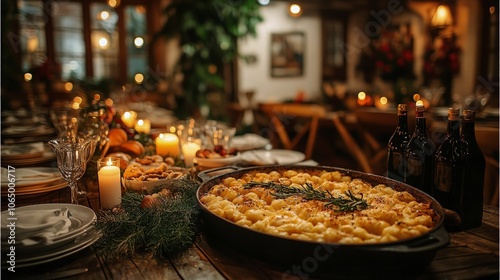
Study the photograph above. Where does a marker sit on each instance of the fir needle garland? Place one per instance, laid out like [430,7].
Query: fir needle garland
[165,229]
[348,203]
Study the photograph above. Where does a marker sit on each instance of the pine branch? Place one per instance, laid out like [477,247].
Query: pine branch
[165,230]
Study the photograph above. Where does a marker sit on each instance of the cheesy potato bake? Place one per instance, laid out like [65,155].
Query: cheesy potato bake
[320,206]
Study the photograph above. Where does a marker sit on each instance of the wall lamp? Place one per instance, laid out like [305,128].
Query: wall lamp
[442,17]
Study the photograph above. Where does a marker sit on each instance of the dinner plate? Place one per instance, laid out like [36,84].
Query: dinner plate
[249,141]
[59,253]
[85,215]
[268,157]
[22,151]
[217,162]
[32,176]
[47,155]
[38,189]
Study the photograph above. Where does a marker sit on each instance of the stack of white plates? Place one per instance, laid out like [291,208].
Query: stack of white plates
[27,154]
[33,180]
[40,244]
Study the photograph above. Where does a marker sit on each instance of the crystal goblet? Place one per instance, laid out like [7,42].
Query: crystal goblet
[72,156]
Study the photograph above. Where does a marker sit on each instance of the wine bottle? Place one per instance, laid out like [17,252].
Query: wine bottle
[448,162]
[474,168]
[419,155]
[397,145]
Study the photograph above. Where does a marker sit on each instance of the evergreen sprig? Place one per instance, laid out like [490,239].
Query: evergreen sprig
[165,230]
[344,204]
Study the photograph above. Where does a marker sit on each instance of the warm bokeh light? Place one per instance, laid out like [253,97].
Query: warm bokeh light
[139,78]
[492,9]
[140,122]
[416,97]
[68,86]
[77,100]
[361,95]
[103,42]
[383,100]
[419,103]
[28,77]
[108,102]
[138,42]
[97,97]
[295,10]
[113,3]
[104,15]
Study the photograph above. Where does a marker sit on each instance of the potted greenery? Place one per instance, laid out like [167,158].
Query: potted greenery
[208,32]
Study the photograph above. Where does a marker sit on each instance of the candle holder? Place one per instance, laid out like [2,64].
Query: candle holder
[110,192]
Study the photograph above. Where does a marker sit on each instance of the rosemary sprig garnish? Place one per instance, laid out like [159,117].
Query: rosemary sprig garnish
[348,203]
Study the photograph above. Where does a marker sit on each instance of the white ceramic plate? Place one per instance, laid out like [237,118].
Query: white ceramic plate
[85,215]
[269,157]
[249,141]
[59,253]
[218,162]
[31,176]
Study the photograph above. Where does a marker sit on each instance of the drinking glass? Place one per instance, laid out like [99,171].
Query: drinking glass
[72,155]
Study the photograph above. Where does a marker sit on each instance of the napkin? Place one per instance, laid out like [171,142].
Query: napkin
[35,226]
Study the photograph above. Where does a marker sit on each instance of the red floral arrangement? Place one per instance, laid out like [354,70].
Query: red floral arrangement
[441,61]
[394,55]
[389,56]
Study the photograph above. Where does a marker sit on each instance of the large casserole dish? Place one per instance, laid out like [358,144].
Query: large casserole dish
[387,259]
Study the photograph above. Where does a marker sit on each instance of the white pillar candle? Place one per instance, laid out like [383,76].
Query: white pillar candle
[189,150]
[128,118]
[167,144]
[110,194]
[143,126]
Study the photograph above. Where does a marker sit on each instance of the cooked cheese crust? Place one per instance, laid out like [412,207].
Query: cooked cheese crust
[391,215]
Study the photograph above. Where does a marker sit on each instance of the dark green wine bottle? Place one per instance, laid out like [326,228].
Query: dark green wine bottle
[474,168]
[397,145]
[448,164]
[419,155]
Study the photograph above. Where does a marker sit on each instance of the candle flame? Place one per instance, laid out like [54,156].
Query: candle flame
[140,122]
[109,162]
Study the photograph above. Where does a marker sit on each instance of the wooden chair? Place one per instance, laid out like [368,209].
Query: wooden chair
[292,121]
[375,128]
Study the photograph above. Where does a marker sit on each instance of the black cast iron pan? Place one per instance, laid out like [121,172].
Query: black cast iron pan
[404,258]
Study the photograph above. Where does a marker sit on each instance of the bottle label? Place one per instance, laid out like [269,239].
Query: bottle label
[397,162]
[444,177]
[414,166]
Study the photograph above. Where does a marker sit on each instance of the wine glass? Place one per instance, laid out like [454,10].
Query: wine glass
[72,156]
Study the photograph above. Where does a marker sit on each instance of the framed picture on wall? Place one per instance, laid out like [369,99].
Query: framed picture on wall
[287,54]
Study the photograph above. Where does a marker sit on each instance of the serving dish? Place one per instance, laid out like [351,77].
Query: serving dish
[390,259]
[218,162]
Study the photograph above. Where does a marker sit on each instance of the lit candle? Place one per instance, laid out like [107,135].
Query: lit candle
[167,144]
[143,126]
[189,150]
[110,194]
[128,118]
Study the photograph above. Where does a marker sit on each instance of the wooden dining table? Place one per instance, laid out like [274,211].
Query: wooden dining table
[471,254]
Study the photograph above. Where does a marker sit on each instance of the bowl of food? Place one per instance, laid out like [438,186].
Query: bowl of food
[217,157]
[150,172]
